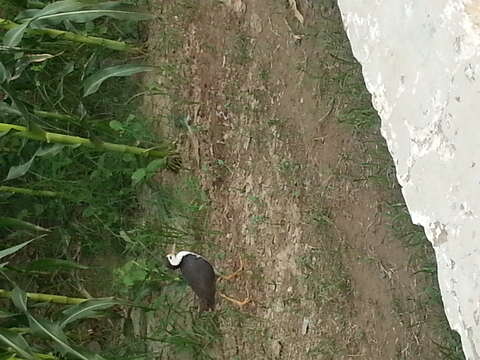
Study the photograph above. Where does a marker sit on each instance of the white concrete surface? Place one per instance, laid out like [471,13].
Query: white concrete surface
[421,62]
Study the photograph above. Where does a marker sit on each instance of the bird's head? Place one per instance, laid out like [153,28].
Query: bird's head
[173,261]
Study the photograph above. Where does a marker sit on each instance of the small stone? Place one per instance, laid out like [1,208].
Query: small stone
[305,326]
[236,5]
[256,24]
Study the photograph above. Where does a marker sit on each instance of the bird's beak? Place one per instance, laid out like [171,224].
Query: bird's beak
[173,249]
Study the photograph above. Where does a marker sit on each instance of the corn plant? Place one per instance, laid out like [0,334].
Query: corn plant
[68,147]
[29,336]
[75,153]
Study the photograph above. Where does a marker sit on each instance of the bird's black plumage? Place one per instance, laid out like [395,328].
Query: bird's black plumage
[200,275]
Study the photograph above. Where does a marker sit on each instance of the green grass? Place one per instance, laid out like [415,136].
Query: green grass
[328,349]
[242,49]
[11,7]
[329,287]
[322,217]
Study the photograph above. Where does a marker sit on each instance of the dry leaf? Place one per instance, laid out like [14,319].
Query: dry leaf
[236,5]
[296,12]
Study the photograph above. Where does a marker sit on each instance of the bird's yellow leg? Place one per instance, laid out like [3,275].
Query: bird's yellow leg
[235,301]
[232,275]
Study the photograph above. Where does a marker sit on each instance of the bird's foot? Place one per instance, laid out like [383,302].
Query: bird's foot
[234,274]
[235,301]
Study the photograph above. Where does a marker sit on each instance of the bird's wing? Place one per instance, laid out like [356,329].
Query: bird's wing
[201,277]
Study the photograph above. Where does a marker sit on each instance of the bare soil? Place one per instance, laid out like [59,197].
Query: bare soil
[257,118]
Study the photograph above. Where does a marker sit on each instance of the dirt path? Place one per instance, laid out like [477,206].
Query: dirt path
[291,187]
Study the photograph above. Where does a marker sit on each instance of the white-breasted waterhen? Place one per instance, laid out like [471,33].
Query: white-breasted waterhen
[201,277]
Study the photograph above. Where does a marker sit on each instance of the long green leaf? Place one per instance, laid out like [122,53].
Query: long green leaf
[5,133]
[58,7]
[26,14]
[7,109]
[69,67]
[25,61]
[46,329]
[7,314]
[138,176]
[13,249]
[54,265]
[11,49]
[17,343]
[4,73]
[53,8]
[82,16]
[16,102]
[86,309]
[19,170]
[38,58]
[20,224]
[93,82]
[156,165]
[50,150]
[54,332]
[19,299]
[14,36]
[66,5]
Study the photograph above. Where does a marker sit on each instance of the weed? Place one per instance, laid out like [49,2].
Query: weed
[258,219]
[264,73]
[328,349]
[276,121]
[363,118]
[288,167]
[9,8]
[322,217]
[255,200]
[260,102]
[326,278]
[242,49]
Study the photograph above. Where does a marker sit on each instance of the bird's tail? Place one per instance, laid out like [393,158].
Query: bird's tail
[207,306]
